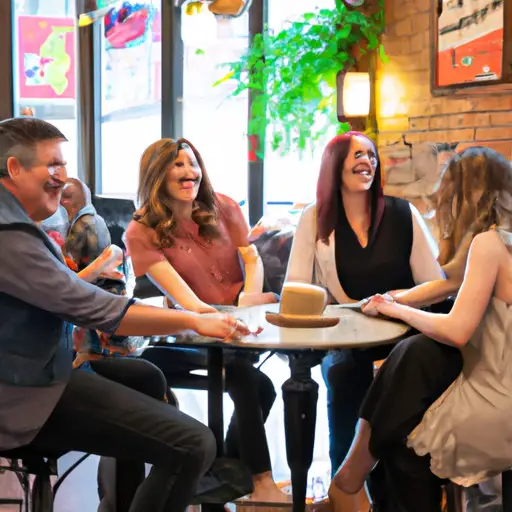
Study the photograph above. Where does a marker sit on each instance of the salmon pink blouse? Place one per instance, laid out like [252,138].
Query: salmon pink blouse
[213,269]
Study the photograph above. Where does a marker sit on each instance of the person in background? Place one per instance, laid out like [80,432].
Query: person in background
[87,240]
[193,245]
[43,403]
[88,234]
[57,223]
[28,111]
[421,411]
[356,242]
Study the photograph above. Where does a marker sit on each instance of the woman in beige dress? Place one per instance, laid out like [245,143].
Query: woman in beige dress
[464,431]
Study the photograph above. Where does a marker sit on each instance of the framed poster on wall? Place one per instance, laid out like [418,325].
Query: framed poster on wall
[470,46]
[46,57]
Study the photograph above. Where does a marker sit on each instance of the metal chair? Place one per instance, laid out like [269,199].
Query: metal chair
[117,214]
[26,461]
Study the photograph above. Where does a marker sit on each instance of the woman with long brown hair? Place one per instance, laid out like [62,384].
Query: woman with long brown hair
[356,242]
[408,413]
[192,243]
[457,221]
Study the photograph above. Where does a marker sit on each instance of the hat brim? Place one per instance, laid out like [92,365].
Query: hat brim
[301,321]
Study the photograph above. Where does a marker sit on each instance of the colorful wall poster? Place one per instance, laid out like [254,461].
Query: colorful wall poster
[470,41]
[46,57]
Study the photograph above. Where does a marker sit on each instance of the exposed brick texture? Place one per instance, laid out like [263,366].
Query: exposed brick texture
[406,106]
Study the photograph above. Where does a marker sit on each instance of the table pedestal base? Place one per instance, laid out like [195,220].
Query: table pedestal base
[300,396]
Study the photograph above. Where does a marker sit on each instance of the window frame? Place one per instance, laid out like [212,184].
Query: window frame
[258,19]
[172,96]
[89,113]
[172,86]
[7,61]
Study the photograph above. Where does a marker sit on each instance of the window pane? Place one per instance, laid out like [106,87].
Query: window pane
[131,90]
[214,122]
[290,178]
[44,65]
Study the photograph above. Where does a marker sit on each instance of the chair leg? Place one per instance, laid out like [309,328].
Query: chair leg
[42,495]
[453,497]
[66,473]
[266,359]
[24,481]
[506,485]
[26,492]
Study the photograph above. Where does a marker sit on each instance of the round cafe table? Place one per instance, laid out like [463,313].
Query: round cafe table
[305,348]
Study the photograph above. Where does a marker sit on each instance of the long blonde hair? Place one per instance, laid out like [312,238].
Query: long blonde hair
[155,204]
[474,194]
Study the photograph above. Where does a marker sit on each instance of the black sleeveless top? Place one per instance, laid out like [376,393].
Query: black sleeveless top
[383,265]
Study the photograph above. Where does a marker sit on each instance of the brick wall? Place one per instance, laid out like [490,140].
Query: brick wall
[406,107]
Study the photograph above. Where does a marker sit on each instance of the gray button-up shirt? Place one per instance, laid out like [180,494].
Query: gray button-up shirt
[32,274]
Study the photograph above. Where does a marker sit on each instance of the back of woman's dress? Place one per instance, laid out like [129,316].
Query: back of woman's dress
[468,430]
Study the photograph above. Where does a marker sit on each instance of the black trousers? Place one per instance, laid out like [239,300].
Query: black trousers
[103,417]
[348,374]
[413,377]
[118,479]
[253,395]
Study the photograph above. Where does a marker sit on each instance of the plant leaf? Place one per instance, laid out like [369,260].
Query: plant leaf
[382,54]
[291,74]
[225,78]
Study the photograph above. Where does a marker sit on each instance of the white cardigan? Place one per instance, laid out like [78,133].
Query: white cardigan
[312,261]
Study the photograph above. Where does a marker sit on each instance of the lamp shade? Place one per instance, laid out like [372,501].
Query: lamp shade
[353,94]
[198,25]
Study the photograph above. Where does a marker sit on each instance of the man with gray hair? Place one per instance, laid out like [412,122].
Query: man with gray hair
[43,403]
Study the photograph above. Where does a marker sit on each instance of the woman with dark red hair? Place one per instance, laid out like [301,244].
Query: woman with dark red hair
[356,242]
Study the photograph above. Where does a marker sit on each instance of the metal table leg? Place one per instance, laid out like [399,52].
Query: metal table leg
[453,497]
[506,486]
[215,396]
[215,408]
[300,396]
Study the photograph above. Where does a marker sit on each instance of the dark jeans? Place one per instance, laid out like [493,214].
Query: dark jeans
[97,415]
[253,395]
[118,479]
[347,374]
[415,374]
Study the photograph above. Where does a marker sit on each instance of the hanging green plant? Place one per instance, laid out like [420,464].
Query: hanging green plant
[293,73]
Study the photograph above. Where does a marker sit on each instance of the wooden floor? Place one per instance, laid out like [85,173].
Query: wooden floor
[364,506]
